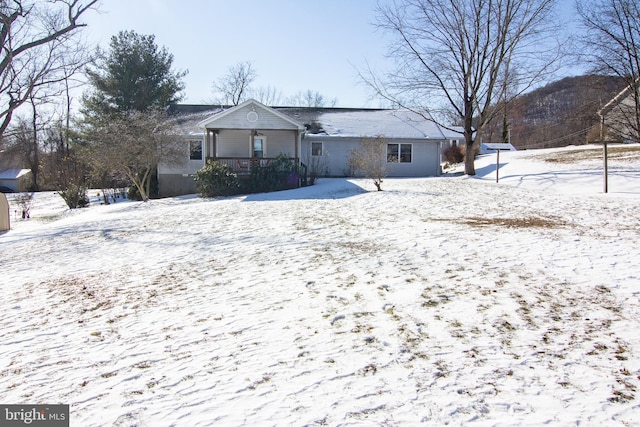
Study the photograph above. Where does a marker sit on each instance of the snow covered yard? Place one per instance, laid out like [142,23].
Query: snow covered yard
[438,301]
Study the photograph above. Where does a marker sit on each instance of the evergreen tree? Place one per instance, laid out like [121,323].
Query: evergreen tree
[135,75]
[125,123]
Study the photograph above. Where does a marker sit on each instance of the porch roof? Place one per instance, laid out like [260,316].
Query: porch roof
[219,119]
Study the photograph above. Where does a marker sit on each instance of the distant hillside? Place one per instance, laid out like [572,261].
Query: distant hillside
[559,114]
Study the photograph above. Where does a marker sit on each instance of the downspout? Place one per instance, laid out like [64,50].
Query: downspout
[299,135]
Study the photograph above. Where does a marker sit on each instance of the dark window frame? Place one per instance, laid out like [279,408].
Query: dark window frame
[315,152]
[195,151]
[399,152]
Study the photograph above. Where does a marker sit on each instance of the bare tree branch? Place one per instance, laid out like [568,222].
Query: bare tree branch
[35,39]
[613,42]
[235,85]
[455,57]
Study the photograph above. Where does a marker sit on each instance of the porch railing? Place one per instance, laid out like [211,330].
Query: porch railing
[244,165]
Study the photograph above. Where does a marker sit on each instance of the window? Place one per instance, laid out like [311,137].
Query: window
[316,148]
[258,146]
[399,153]
[195,150]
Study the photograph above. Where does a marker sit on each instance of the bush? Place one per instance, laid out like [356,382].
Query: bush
[24,200]
[370,159]
[154,190]
[280,174]
[75,196]
[454,154]
[215,179]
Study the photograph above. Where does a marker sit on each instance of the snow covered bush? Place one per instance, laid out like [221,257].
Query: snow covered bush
[215,179]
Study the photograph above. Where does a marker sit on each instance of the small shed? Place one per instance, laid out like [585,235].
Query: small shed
[4,213]
[16,179]
[488,147]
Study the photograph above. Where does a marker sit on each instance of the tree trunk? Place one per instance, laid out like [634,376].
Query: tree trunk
[469,158]
[34,159]
[143,192]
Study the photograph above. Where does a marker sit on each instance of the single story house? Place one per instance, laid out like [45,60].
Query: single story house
[252,134]
[17,180]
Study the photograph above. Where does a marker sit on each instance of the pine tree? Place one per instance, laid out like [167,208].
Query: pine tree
[135,75]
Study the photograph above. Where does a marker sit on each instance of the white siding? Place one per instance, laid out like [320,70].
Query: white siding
[425,156]
[280,142]
[237,143]
[187,167]
[234,143]
[237,119]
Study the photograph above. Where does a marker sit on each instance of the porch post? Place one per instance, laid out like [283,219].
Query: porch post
[215,144]
[207,141]
[252,135]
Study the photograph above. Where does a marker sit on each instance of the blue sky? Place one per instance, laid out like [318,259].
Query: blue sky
[294,45]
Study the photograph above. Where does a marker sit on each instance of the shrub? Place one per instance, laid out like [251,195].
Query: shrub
[154,190]
[370,159]
[454,154]
[215,179]
[280,174]
[318,166]
[75,196]
[25,200]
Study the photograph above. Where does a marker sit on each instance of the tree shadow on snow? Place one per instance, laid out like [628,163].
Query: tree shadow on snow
[489,171]
[588,177]
[323,189]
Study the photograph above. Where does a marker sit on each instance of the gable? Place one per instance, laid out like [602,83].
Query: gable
[251,115]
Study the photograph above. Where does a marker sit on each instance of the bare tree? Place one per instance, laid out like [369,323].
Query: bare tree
[370,159]
[453,57]
[35,37]
[268,95]
[313,99]
[132,143]
[233,88]
[613,41]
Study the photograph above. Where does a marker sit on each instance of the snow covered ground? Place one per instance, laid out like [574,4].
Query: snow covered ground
[450,300]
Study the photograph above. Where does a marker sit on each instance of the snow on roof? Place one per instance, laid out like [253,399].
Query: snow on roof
[188,117]
[334,122]
[14,173]
[389,123]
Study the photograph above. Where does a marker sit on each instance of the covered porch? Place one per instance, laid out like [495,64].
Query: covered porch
[251,135]
[242,150]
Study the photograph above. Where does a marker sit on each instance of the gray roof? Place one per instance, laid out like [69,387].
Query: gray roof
[189,116]
[330,122]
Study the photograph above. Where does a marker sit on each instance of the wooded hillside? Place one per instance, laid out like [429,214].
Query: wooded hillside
[559,114]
